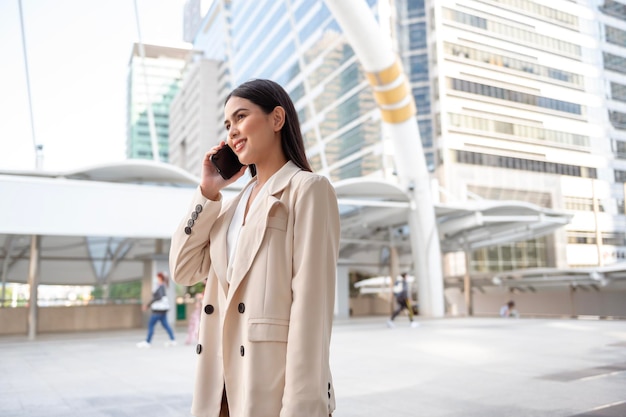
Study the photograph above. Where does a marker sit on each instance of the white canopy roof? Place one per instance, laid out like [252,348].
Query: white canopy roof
[101,223]
[374,216]
[96,224]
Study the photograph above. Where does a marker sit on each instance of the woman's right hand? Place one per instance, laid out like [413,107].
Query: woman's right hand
[211,182]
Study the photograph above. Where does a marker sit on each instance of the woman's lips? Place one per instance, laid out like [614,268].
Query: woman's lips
[237,146]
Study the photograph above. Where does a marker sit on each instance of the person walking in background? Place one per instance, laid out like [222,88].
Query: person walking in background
[508,310]
[159,306]
[270,255]
[404,302]
[193,327]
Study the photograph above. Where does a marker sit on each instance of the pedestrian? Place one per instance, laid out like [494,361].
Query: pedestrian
[270,255]
[404,302]
[193,327]
[159,306]
[508,310]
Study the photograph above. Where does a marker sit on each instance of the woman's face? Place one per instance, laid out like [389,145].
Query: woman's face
[251,132]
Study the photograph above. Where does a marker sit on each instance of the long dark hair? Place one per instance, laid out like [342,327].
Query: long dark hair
[267,95]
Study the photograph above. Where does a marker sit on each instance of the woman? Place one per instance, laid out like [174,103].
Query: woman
[270,255]
[159,306]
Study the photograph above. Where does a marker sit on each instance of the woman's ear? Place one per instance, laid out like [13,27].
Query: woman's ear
[278,117]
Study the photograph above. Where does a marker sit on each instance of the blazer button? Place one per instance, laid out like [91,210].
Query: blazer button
[194,215]
[190,223]
[188,230]
[198,348]
[241,307]
[241,350]
[198,208]
[208,309]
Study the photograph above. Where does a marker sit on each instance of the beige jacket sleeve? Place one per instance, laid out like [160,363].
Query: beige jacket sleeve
[189,251]
[315,250]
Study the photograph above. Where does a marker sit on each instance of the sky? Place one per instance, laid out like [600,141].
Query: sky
[78,53]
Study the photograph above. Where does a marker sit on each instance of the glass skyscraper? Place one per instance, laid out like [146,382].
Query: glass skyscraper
[152,79]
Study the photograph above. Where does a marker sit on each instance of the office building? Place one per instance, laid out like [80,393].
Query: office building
[194,112]
[612,18]
[154,74]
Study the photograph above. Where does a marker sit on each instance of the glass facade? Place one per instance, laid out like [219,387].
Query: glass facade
[519,255]
[299,45]
[154,80]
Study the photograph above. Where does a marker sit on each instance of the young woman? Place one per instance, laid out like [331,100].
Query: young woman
[159,306]
[270,256]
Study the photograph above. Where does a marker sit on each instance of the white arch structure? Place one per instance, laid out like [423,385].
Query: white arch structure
[393,95]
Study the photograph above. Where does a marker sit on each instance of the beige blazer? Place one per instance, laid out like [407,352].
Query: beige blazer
[266,336]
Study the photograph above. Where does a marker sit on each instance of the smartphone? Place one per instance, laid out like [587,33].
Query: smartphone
[226,162]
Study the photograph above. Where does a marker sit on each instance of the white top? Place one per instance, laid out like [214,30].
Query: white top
[236,224]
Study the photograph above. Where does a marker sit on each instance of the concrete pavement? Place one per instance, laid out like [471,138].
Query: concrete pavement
[451,367]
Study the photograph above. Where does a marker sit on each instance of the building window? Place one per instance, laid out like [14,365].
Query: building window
[614,63]
[581,204]
[615,36]
[515,33]
[618,92]
[578,237]
[515,96]
[419,67]
[475,158]
[519,255]
[545,12]
[618,119]
[619,149]
[422,100]
[620,176]
[614,8]
[415,9]
[417,35]
[426,132]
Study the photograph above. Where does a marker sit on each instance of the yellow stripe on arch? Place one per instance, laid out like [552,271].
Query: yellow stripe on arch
[393,95]
[385,76]
[399,115]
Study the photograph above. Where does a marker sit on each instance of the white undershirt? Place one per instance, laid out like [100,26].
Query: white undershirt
[237,222]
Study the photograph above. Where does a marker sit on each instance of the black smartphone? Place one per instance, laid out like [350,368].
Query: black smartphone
[226,162]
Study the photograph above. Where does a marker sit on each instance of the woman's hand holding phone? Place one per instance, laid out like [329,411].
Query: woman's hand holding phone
[211,181]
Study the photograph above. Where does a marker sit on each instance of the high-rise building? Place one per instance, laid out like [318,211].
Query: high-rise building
[154,77]
[517,100]
[194,113]
[192,18]
[612,18]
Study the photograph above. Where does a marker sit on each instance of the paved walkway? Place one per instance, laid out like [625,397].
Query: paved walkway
[470,367]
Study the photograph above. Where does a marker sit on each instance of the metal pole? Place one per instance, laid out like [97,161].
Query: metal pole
[596,218]
[394,266]
[467,284]
[8,248]
[36,148]
[33,282]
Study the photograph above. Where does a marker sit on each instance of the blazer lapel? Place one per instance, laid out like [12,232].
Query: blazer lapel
[253,232]
[219,243]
